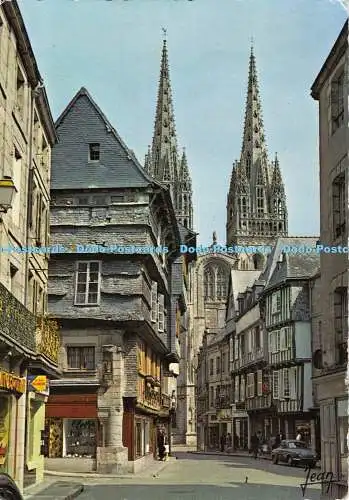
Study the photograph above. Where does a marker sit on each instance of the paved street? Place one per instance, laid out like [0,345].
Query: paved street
[202,477]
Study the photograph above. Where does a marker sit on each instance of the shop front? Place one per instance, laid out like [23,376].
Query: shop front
[12,393]
[72,432]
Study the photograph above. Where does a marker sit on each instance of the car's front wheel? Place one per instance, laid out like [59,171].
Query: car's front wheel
[275,459]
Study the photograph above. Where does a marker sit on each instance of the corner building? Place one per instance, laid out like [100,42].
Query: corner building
[117,312]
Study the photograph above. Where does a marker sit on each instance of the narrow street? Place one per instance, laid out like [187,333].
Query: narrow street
[203,477]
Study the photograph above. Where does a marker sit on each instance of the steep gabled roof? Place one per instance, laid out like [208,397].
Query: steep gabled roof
[283,266]
[69,171]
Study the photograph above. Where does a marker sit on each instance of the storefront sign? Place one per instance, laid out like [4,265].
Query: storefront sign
[48,338]
[15,320]
[39,384]
[12,383]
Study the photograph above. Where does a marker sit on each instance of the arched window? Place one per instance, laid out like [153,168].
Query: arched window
[209,284]
[279,207]
[221,282]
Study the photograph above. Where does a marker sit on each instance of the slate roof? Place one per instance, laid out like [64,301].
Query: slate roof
[82,122]
[293,265]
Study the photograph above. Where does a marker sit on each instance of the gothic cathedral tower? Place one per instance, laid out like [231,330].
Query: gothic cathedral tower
[163,161]
[256,204]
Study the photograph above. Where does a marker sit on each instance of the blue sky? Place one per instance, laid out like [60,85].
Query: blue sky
[113,48]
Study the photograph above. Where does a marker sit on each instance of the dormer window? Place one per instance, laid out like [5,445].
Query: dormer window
[94,152]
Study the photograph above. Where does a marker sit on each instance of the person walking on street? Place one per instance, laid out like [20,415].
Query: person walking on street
[161,444]
[223,439]
[255,445]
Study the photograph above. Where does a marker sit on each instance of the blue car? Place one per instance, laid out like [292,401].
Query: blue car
[8,488]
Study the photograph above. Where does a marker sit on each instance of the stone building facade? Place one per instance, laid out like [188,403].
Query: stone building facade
[28,340]
[330,89]
[116,289]
[214,392]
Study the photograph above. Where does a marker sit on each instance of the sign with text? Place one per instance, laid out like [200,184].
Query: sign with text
[39,384]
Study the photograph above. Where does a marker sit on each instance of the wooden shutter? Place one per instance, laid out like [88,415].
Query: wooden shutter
[275,385]
[161,313]
[154,302]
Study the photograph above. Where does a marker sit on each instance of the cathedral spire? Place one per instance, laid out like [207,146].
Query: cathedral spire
[253,144]
[164,147]
[256,203]
[163,161]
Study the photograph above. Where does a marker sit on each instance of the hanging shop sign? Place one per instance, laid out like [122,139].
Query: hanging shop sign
[12,383]
[38,384]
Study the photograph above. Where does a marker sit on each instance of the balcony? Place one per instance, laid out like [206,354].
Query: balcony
[152,398]
[289,405]
[48,339]
[248,359]
[282,357]
[222,402]
[16,322]
[259,402]
[165,401]
[239,406]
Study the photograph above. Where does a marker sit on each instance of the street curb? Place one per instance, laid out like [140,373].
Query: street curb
[226,454]
[95,475]
[75,492]
[212,453]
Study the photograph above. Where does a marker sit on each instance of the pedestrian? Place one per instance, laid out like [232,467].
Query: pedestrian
[229,440]
[166,447]
[236,441]
[223,440]
[255,445]
[299,436]
[277,441]
[161,444]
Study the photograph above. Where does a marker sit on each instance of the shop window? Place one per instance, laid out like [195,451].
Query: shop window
[80,438]
[81,358]
[5,419]
[146,437]
[342,419]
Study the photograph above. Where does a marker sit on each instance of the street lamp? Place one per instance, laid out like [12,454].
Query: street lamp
[7,191]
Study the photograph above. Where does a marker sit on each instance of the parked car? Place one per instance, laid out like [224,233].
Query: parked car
[294,452]
[8,488]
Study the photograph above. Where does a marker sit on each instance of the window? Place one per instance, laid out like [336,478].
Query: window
[259,383]
[211,396]
[16,177]
[117,198]
[237,392]
[211,366]
[20,96]
[337,101]
[38,226]
[83,201]
[286,383]
[339,206]
[99,200]
[161,313]
[218,365]
[81,358]
[80,436]
[221,285]
[224,362]
[250,385]
[154,302]
[94,152]
[209,284]
[88,279]
[260,202]
[275,385]
[276,302]
[242,389]
[341,324]
[342,423]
